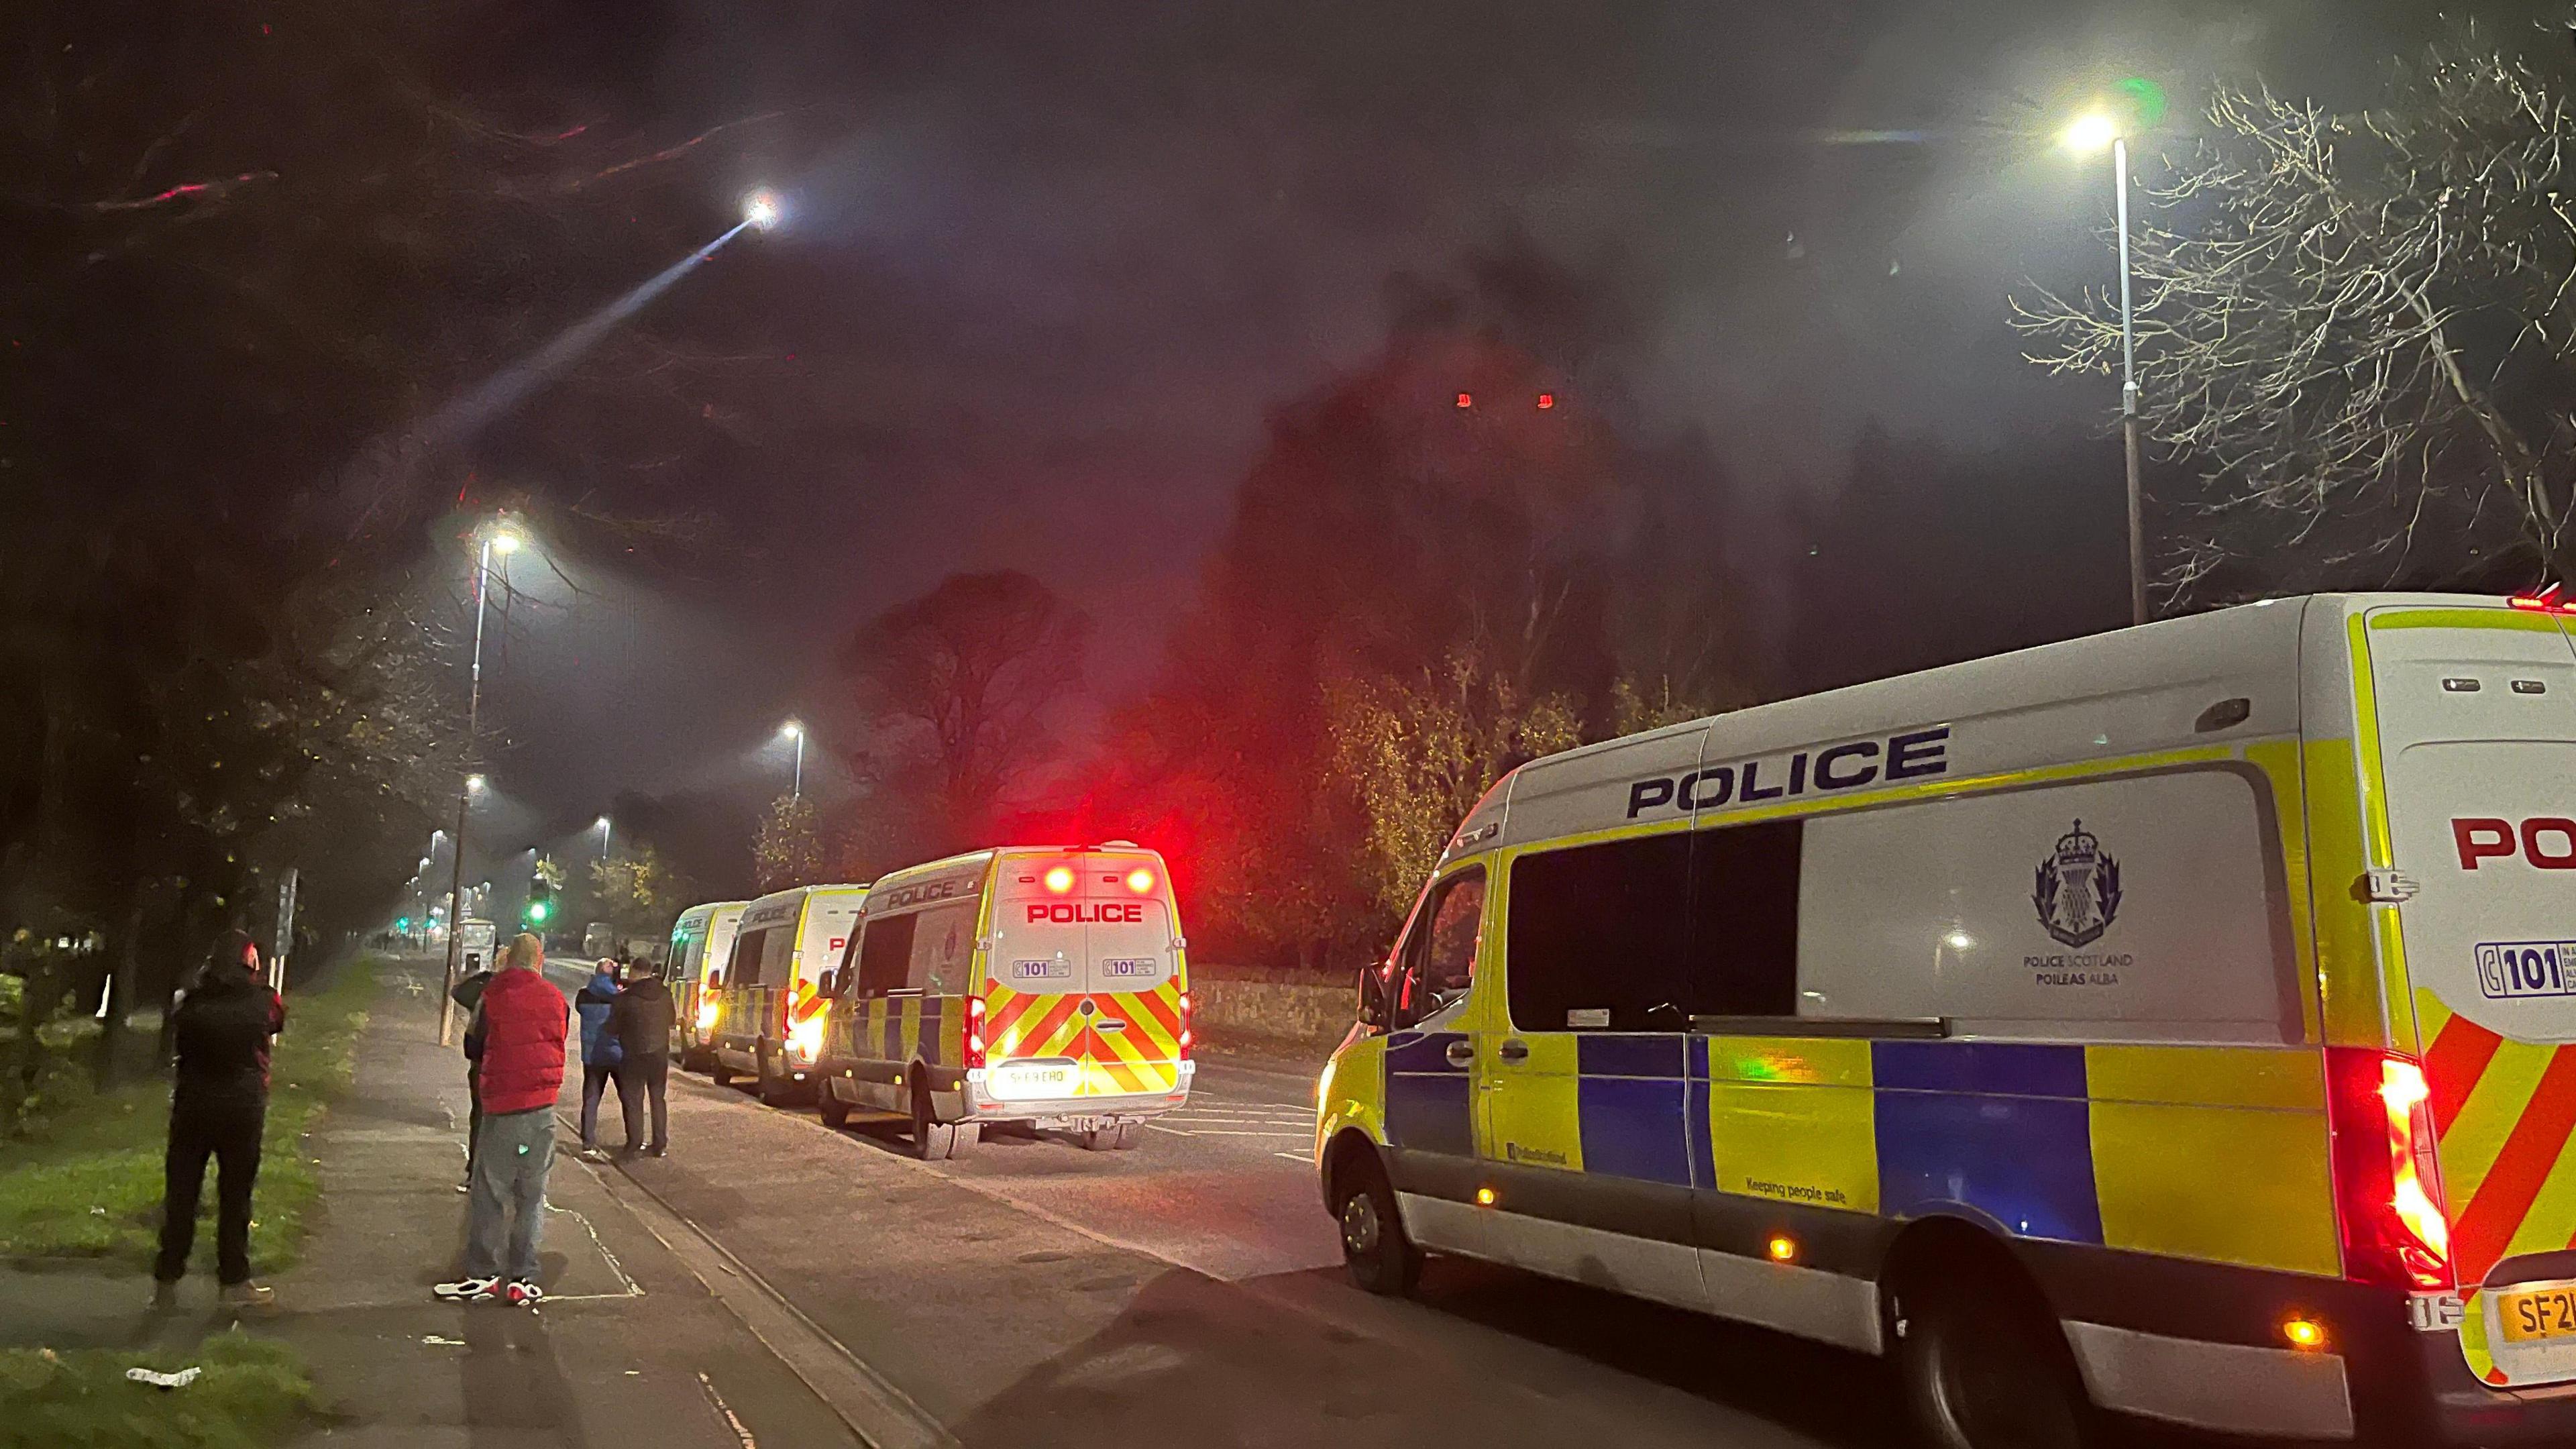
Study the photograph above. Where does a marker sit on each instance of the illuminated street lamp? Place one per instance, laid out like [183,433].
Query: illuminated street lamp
[760,210]
[497,538]
[796,731]
[2088,135]
[603,837]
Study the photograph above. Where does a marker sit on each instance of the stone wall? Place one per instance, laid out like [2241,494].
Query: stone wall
[1299,1016]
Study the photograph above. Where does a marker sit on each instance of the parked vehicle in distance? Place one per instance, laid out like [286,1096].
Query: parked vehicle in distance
[2096,1027]
[1038,986]
[767,998]
[598,939]
[700,940]
[475,943]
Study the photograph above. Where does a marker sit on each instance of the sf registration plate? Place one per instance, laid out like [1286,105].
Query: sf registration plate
[2534,1314]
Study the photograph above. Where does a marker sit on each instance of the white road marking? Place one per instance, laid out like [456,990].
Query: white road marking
[726,1410]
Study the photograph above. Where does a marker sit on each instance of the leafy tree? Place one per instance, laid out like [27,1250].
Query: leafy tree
[790,850]
[1469,491]
[1419,752]
[964,685]
[2359,327]
[637,892]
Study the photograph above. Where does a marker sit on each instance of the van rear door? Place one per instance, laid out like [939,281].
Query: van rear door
[1082,975]
[2477,722]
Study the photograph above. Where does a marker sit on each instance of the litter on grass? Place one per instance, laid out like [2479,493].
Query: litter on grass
[179,1380]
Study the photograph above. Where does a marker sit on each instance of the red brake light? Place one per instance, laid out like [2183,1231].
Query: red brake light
[1185,1026]
[2547,601]
[1140,880]
[974,1031]
[2388,1181]
[1060,879]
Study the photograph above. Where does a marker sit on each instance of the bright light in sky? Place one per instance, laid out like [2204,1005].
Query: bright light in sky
[790,730]
[473,784]
[2094,131]
[761,210]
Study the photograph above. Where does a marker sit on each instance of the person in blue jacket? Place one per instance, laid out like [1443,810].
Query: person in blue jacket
[599,1054]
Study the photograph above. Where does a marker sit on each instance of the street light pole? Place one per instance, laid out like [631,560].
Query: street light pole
[795,730]
[473,723]
[2129,393]
[603,837]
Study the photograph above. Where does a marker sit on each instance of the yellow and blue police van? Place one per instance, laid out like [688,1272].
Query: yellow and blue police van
[2173,1023]
[1029,986]
[701,939]
[768,1021]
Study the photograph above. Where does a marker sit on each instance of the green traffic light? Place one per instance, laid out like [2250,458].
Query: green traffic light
[538,911]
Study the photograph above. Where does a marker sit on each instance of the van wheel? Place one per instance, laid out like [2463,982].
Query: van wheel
[1117,1138]
[931,1141]
[834,1112]
[774,1086]
[718,1072]
[1375,1249]
[1984,1369]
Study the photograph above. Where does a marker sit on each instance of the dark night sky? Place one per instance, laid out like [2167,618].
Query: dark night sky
[1051,264]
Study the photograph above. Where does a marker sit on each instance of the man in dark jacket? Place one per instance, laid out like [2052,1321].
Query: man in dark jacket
[218,1108]
[468,994]
[641,1021]
[524,1025]
[599,1057]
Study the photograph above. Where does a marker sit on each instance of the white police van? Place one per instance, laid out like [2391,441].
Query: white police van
[2179,1022]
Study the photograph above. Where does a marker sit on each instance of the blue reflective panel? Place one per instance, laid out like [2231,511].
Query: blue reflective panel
[1615,1054]
[1634,1127]
[2025,1162]
[1426,1097]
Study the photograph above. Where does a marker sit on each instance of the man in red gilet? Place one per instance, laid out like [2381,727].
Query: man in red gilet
[522,1018]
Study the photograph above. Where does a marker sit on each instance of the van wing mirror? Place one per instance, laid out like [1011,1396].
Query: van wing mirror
[1373,993]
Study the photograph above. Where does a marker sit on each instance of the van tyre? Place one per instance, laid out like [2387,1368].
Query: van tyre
[933,1141]
[718,1072]
[834,1112]
[1115,1138]
[1982,1367]
[775,1089]
[1375,1249]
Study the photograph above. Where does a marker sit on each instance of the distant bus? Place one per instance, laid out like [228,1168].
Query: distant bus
[475,942]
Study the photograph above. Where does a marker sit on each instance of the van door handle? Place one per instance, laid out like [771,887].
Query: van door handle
[1461,1053]
[1513,1049]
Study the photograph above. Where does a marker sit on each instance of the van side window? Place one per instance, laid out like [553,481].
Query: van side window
[885,954]
[777,956]
[943,942]
[1598,939]
[1744,919]
[745,967]
[1440,955]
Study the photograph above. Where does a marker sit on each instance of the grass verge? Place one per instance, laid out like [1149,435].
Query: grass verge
[249,1393]
[91,1186]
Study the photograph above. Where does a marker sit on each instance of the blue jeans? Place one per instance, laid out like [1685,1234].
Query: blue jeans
[511,1157]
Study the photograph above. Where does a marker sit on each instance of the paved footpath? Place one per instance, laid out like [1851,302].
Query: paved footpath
[630,1348]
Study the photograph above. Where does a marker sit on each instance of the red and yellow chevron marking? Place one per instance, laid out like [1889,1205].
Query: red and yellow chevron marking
[1142,1059]
[2505,1111]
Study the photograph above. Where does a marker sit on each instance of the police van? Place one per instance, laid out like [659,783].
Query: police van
[2175,1022]
[1040,987]
[700,940]
[769,1003]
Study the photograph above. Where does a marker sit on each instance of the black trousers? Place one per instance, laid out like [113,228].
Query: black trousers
[228,1131]
[473,1113]
[638,1078]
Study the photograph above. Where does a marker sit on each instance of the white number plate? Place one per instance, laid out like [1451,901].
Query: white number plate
[1130,969]
[1041,971]
[2508,969]
[1020,1081]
